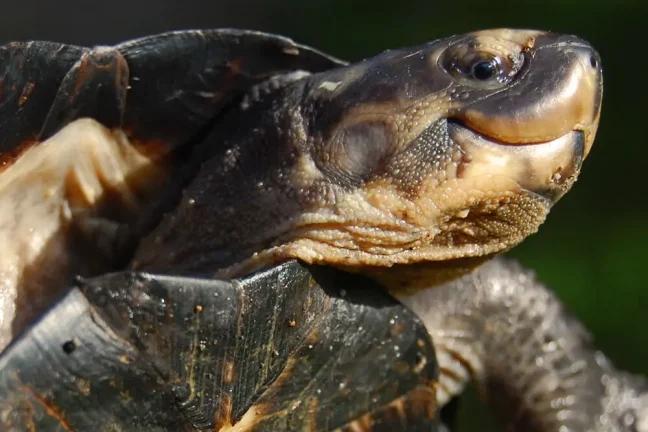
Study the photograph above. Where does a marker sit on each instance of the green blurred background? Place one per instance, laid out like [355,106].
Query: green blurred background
[593,248]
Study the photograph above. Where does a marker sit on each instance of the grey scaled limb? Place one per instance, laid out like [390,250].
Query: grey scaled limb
[280,350]
[533,362]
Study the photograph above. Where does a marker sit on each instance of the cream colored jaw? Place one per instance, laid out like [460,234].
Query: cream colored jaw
[532,167]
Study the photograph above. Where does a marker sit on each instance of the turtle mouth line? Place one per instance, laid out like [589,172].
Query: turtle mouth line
[456,124]
[547,169]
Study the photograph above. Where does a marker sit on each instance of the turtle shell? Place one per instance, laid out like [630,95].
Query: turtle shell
[285,349]
[164,87]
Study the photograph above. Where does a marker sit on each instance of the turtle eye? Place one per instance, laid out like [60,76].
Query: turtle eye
[481,68]
[484,70]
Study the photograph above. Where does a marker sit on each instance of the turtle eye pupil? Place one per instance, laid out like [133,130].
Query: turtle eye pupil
[484,70]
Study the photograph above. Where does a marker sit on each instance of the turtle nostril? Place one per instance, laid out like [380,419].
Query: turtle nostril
[593,61]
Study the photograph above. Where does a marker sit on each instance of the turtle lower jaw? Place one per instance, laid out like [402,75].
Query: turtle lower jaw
[413,259]
[547,169]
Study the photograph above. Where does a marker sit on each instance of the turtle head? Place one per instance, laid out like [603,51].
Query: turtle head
[455,149]
[512,104]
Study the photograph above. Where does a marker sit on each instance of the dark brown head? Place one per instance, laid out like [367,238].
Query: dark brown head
[500,97]
[454,149]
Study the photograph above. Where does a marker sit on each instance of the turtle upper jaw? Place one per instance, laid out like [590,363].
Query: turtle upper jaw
[539,131]
[559,92]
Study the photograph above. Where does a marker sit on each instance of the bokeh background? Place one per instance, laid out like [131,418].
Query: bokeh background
[594,248]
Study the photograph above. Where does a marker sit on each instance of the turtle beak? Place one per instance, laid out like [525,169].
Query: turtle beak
[561,92]
[542,128]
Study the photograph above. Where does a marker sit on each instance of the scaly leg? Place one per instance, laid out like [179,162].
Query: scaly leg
[532,361]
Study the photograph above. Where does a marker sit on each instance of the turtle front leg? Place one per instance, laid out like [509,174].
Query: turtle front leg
[532,361]
[55,189]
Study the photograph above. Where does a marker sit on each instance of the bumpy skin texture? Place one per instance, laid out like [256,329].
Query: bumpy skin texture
[400,159]
[533,362]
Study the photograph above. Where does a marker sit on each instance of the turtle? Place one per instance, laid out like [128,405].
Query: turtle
[227,230]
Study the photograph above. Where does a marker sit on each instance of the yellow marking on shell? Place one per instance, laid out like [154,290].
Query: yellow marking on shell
[229,373]
[247,422]
[260,411]
[291,50]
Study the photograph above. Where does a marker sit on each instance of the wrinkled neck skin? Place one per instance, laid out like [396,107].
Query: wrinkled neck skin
[262,187]
[241,196]
[382,163]
[307,184]
[532,362]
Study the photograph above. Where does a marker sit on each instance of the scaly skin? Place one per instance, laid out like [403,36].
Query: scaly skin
[533,362]
[92,145]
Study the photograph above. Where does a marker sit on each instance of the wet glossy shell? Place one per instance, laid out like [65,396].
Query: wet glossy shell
[282,350]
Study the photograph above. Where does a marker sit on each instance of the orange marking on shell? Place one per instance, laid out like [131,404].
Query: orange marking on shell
[28,416]
[51,409]
[235,65]
[122,75]
[29,87]
[423,400]
[83,72]
[223,414]
[313,406]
